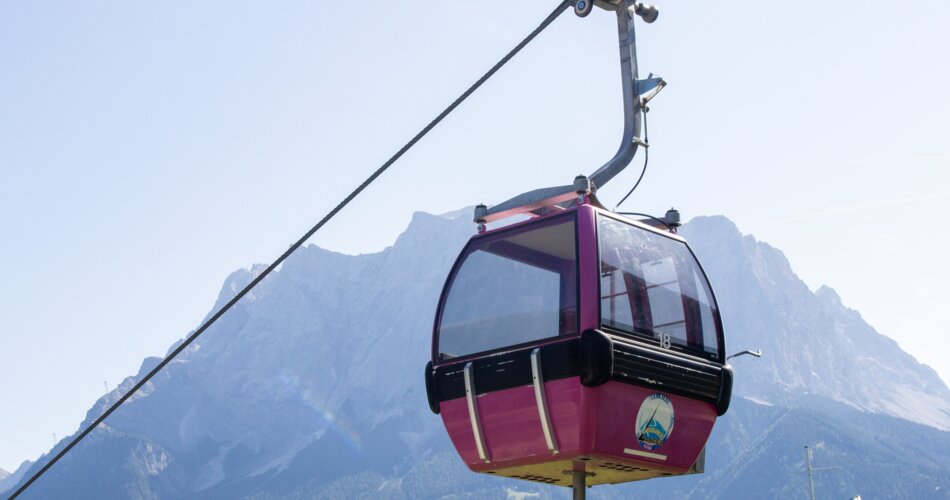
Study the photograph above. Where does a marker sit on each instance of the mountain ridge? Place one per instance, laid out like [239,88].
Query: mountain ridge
[12,478]
[824,364]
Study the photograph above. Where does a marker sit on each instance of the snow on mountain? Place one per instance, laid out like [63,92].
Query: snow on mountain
[812,343]
[3,474]
[313,384]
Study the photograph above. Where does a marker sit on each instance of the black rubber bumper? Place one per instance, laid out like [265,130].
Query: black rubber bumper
[597,358]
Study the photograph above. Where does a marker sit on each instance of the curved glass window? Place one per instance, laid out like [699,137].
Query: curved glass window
[511,288]
[652,286]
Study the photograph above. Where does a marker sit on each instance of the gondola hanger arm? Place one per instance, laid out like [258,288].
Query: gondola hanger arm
[635,93]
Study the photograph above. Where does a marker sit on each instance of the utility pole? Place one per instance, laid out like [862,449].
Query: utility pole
[811,484]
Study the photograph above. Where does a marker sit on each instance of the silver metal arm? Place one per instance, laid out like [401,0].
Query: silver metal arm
[756,353]
[636,93]
[631,102]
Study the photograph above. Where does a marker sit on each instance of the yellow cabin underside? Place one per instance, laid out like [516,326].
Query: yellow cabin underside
[600,471]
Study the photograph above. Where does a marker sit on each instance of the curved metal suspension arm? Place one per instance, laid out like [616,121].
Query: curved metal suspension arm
[631,94]
[636,93]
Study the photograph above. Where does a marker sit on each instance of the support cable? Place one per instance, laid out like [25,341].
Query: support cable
[201,329]
[646,160]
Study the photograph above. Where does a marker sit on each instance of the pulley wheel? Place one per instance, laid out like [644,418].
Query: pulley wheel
[583,7]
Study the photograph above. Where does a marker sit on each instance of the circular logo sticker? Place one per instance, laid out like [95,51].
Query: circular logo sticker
[654,421]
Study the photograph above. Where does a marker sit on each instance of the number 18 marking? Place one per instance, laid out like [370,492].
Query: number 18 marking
[665,340]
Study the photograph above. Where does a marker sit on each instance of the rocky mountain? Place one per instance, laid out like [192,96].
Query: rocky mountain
[9,479]
[311,388]
[816,345]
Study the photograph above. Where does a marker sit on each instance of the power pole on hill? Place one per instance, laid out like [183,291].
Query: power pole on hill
[811,484]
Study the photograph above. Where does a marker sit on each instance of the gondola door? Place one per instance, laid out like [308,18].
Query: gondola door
[503,344]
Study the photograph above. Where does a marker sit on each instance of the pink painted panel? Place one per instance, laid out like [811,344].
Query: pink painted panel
[568,413]
[617,407]
[586,421]
[512,426]
[589,268]
[454,415]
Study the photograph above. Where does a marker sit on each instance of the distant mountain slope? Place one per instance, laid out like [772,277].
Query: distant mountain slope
[813,344]
[757,451]
[311,387]
[12,478]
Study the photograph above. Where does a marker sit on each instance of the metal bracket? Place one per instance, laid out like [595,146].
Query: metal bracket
[537,202]
[648,88]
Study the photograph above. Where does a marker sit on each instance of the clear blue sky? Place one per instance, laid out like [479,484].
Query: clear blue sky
[149,149]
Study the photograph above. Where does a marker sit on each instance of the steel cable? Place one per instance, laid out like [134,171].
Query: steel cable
[260,277]
[646,161]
